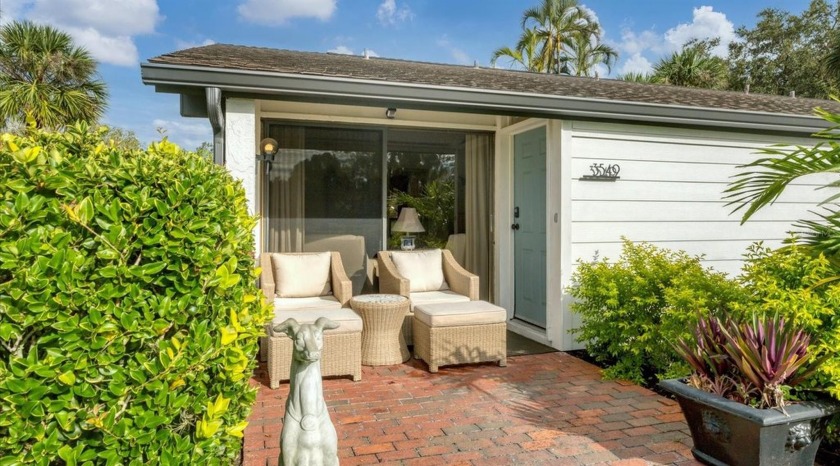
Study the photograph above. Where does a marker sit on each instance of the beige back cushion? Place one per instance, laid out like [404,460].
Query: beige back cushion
[423,269]
[301,275]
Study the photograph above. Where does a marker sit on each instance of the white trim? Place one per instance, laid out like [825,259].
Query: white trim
[566,340]
[528,331]
[375,121]
[554,318]
[504,215]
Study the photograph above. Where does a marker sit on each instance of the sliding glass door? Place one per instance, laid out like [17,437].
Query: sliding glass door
[324,192]
[341,189]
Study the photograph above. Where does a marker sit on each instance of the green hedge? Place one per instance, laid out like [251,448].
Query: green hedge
[803,287]
[632,309]
[129,315]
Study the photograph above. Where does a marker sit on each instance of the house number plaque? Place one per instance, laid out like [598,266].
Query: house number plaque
[601,172]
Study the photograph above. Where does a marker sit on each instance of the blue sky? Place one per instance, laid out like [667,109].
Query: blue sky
[123,33]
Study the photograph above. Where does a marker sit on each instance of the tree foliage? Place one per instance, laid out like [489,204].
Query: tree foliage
[785,52]
[45,79]
[692,66]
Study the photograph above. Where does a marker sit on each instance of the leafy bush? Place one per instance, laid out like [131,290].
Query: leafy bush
[129,315]
[790,282]
[436,209]
[634,308]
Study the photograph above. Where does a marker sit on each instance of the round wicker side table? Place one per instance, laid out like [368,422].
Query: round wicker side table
[382,339]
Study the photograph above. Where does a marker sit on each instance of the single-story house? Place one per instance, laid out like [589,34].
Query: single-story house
[533,171]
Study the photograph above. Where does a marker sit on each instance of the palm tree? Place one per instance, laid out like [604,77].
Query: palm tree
[763,181]
[556,23]
[693,66]
[585,53]
[45,79]
[524,55]
[637,77]
[831,63]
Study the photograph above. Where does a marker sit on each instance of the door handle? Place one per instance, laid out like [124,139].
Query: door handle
[515,226]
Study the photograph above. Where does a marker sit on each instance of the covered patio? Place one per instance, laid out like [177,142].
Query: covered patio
[550,408]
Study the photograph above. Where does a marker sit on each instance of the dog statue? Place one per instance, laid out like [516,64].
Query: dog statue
[308,437]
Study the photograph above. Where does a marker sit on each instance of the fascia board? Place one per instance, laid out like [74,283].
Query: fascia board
[180,79]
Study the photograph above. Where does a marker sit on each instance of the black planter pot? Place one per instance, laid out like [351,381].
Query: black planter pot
[730,433]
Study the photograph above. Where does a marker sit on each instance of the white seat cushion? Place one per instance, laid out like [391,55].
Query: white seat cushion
[459,314]
[423,269]
[349,321]
[306,304]
[300,275]
[429,297]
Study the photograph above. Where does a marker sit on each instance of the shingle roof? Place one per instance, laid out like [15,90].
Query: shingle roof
[354,67]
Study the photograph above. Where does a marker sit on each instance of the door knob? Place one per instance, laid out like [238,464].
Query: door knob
[515,226]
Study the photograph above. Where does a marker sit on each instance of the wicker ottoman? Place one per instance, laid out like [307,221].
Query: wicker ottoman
[382,340]
[342,352]
[458,333]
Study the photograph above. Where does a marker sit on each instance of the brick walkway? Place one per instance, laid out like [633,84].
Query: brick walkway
[550,409]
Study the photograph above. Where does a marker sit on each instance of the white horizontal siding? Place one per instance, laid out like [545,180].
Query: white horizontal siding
[670,192]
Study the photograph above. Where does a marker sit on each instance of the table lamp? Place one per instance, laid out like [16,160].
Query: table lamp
[408,222]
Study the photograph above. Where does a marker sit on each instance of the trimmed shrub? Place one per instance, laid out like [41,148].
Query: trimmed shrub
[791,282]
[129,314]
[633,309]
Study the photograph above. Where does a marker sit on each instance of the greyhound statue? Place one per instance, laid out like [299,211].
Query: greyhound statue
[308,437]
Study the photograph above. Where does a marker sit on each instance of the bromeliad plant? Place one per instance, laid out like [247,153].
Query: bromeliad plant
[753,362]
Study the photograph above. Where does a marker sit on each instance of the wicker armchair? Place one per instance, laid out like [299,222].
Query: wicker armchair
[462,285]
[341,354]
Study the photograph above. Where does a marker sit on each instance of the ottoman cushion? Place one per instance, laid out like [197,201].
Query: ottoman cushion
[459,314]
[430,297]
[349,321]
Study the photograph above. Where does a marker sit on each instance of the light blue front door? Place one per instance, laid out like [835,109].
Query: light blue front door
[529,173]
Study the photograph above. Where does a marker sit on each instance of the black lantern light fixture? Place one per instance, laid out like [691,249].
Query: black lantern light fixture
[268,149]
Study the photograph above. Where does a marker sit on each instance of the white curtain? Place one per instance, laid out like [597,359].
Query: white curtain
[479,210]
[286,193]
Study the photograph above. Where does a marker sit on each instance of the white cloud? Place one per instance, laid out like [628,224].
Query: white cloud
[636,64]
[106,28]
[344,50]
[643,48]
[111,18]
[389,14]
[116,50]
[461,57]
[184,44]
[11,10]
[274,12]
[636,42]
[706,24]
[186,134]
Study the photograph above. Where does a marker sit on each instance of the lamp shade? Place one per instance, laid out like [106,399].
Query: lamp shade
[408,222]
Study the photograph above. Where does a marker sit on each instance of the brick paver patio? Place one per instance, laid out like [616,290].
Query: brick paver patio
[550,409]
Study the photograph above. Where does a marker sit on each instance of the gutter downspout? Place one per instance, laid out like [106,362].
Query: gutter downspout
[217,121]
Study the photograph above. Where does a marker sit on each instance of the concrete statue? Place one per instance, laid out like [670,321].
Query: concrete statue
[308,437]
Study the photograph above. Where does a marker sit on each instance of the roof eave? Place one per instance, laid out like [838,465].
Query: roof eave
[181,79]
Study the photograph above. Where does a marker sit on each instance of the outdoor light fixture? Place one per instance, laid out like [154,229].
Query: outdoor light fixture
[409,222]
[268,149]
[391,113]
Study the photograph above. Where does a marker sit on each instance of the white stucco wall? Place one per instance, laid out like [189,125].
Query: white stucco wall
[241,149]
